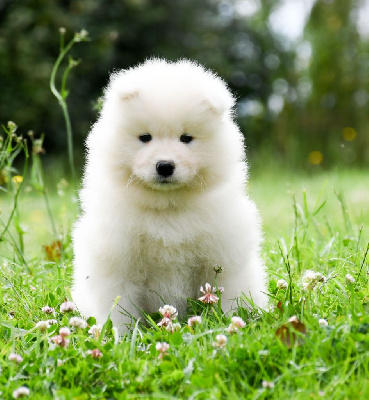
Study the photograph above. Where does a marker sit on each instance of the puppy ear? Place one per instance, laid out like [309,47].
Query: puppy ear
[217,106]
[129,95]
[122,88]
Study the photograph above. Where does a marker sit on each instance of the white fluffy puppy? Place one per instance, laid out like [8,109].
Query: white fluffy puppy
[164,198]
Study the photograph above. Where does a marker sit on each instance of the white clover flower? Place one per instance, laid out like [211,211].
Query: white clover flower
[52,321]
[208,298]
[64,332]
[15,357]
[231,329]
[267,385]
[309,275]
[323,322]
[59,362]
[47,310]
[173,327]
[165,322]
[169,313]
[96,353]
[221,341]
[282,284]
[235,325]
[42,325]
[350,279]
[21,392]
[78,323]
[60,340]
[162,348]
[95,331]
[193,321]
[320,277]
[67,306]
[311,279]
[207,288]
[238,321]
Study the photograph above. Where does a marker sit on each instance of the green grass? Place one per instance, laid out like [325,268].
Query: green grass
[315,229]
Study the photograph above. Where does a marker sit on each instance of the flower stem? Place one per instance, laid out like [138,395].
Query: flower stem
[61,96]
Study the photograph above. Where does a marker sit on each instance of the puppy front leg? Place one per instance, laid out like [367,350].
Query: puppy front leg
[248,280]
[128,309]
[96,298]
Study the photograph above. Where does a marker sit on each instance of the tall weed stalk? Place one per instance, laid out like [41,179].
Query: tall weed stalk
[12,146]
[37,179]
[62,93]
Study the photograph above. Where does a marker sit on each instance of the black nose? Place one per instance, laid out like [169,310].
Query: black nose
[165,168]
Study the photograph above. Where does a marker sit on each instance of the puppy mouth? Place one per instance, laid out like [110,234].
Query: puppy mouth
[164,181]
[168,182]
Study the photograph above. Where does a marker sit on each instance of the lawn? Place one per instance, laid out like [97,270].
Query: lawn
[313,342]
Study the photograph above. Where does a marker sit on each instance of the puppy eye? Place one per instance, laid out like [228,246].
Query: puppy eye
[185,138]
[146,137]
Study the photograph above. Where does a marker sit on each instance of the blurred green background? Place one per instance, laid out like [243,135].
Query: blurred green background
[299,68]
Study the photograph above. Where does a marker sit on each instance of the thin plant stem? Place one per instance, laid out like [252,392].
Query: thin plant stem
[19,252]
[344,209]
[63,89]
[362,263]
[63,105]
[70,141]
[288,267]
[48,208]
[62,94]
[15,204]
[219,294]
[295,240]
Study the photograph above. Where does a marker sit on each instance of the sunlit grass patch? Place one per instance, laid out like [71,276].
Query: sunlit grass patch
[312,342]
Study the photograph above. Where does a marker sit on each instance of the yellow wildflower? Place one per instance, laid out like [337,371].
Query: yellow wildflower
[17,179]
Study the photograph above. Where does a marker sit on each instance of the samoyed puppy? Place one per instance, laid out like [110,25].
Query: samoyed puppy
[163,197]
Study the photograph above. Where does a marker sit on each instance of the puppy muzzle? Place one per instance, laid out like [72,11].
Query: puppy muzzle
[165,169]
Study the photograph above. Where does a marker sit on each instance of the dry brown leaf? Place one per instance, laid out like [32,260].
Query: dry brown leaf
[287,333]
[53,251]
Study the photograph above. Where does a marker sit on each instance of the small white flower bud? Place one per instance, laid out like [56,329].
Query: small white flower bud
[267,385]
[64,332]
[47,310]
[78,322]
[282,284]
[67,306]
[221,341]
[350,279]
[42,325]
[196,320]
[21,392]
[95,330]
[323,322]
[15,357]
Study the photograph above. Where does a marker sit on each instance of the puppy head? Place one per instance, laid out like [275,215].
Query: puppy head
[168,127]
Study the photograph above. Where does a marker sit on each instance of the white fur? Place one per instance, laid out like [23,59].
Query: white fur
[153,243]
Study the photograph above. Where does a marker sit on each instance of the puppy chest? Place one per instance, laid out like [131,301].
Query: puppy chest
[154,257]
[156,252]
